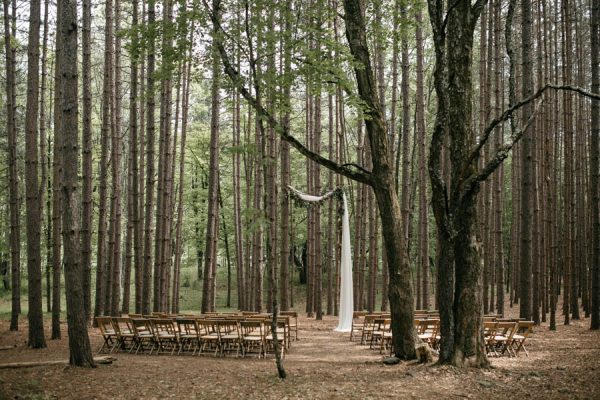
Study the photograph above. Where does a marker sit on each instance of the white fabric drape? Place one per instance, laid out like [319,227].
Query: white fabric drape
[346,295]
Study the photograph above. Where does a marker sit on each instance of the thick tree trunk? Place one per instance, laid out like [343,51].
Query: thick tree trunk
[455,207]
[400,287]
[79,344]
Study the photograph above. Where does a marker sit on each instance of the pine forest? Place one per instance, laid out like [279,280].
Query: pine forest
[190,177]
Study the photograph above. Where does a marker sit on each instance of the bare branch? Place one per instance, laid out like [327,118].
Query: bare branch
[237,80]
[511,110]
[472,183]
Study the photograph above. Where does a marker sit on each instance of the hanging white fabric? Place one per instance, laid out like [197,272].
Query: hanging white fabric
[346,308]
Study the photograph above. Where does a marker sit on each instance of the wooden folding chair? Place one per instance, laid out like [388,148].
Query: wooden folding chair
[504,335]
[524,329]
[209,335]
[164,335]
[230,336]
[489,334]
[143,334]
[124,330]
[108,333]
[293,321]
[368,326]
[380,325]
[253,337]
[427,331]
[187,329]
[357,324]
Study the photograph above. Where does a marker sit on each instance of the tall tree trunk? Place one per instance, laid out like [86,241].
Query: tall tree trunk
[499,181]
[210,253]
[423,205]
[80,353]
[86,152]
[179,226]
[32,201]
[400,288]
[594,164]
[115,231]
[134,189]
[405,197]
[13,185]
[527,190]
[150,130]
[101,256]
[43,159]
[569,189]
[56,184]
[454,207]
[285,246]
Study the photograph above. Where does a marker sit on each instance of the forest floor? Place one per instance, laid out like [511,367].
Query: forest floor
[322,364]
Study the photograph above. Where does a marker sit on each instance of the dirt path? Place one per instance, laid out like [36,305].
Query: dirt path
[322,365]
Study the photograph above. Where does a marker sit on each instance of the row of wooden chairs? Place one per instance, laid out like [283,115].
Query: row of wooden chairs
[292,315]
[242,336]
[501,335]
[506,336]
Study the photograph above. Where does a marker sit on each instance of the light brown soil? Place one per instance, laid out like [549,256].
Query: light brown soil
[322,365]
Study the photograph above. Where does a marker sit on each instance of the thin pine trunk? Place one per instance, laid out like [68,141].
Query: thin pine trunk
[13,185]
[32,199]
[116,170]
[423,205]
[86,156]
[149,145]
[101,263]
[210,252]
[56,192]
[44,192]
[594,165]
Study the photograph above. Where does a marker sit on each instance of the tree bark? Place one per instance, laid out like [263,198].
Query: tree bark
[455,209]
[423,237]
[79,344]
[150,133]
[43,157]
[210,253]
[594,164]
[101,263]
[86,151]
[13,184]
[32,202]
[527,190]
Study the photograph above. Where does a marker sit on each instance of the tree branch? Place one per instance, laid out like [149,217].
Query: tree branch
[511,110]
[472,183]
[283,131]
